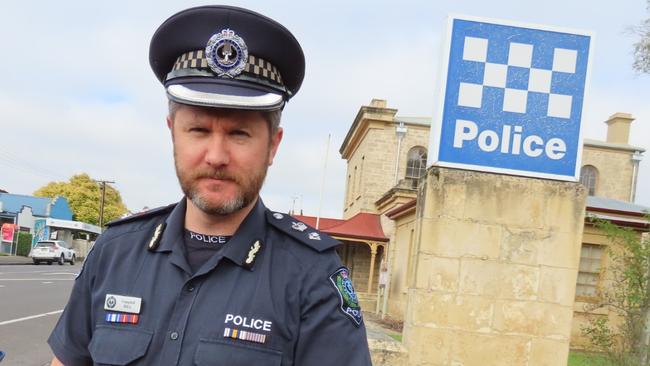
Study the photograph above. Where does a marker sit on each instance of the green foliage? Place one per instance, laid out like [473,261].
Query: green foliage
[627,295]
[599,334]
[84,196]
[24,244]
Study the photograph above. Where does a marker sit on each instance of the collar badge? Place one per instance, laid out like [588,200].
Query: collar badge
[227,53]
[299,226]
[253,252]
[155,239]
[314,236]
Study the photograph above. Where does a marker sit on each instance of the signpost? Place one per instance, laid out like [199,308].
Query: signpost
[512,97]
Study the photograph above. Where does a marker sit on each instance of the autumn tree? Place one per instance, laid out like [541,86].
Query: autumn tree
[84,195]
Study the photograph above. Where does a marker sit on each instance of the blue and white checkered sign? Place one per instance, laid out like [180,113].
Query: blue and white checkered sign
[513,98]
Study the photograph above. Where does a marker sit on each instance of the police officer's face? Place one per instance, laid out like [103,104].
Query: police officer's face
[221,156]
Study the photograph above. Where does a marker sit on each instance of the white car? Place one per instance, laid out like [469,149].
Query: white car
[53,251]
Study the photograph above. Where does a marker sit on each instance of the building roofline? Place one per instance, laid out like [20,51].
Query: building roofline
[391,192]
[620,221]
[613,206]
[613,211]
[611,145]
[414,120]
[357,120]
[403,209]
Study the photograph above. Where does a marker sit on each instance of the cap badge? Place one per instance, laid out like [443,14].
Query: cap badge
[299,226]
[227,53]
[314,236]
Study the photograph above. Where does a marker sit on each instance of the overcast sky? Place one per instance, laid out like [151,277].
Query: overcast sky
[77,94]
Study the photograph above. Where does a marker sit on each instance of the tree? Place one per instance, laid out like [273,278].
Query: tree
[84,195]
[642,46]
[625,340]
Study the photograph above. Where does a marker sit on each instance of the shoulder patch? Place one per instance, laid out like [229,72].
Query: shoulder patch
[349,300]
[298,230]
[143,215]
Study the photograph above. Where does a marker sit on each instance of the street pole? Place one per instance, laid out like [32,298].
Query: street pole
[400,131]
[322,187]
[14,242]
[102,184]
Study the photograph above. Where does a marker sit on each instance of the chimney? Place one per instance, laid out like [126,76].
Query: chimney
[618,128]
[378,103]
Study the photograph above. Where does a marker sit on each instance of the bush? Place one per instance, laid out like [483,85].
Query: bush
[24,244]
[624,342]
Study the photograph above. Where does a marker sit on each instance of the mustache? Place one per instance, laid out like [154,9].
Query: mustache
[214,174]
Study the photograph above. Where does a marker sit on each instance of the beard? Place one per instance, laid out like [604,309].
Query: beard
[248,188]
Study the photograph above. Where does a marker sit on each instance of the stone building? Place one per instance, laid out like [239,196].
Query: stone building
[386,156]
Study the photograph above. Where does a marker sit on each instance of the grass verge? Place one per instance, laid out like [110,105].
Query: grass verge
[397,337]
[587,359]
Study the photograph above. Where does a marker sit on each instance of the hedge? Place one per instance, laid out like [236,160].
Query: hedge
[24,244]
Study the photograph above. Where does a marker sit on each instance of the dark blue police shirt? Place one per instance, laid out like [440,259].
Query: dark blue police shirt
[286,298]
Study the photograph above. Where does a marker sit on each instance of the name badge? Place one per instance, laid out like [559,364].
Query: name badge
[125,304]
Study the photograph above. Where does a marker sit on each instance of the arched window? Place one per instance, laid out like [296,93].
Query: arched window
[589,178]
[416,163]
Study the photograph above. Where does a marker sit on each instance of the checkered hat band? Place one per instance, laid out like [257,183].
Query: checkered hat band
[256,66]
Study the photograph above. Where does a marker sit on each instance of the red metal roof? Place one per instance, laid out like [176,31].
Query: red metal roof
[360,226]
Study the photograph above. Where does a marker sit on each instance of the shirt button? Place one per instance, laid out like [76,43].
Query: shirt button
[173,336]
[190,288]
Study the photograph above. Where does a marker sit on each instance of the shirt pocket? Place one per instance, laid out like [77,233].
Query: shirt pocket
[118,346]
[214,352]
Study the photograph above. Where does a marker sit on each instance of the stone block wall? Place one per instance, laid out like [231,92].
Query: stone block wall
[615,171]
[371,166]
[402,256]
[496,270]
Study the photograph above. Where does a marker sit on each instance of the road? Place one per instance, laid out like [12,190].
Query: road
[31,301]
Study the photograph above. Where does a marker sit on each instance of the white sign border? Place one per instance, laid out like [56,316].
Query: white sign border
[440,95]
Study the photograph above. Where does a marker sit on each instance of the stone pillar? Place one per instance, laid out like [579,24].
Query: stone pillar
[373,255]
[496,268]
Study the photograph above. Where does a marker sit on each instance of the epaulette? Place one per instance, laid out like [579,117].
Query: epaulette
[300,231]
[143,215]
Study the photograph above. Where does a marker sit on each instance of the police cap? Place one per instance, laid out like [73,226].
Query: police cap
[228,57]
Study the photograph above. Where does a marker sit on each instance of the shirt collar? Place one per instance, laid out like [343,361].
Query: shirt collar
[241,248]
[174,225]
[248,241]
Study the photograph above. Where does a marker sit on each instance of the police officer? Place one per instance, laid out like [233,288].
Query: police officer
[216,279]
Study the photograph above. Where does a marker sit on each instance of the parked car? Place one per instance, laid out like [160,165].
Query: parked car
[53,251]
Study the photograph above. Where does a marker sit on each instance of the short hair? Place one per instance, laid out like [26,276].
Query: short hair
[272,117]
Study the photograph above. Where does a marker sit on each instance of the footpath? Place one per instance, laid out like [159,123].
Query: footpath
[14,259]
[385,348]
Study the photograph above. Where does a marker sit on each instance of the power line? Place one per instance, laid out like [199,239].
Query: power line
[13,161]
[10,164]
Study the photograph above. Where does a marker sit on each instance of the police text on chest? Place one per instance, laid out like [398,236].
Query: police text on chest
[246,322]
[209,239]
